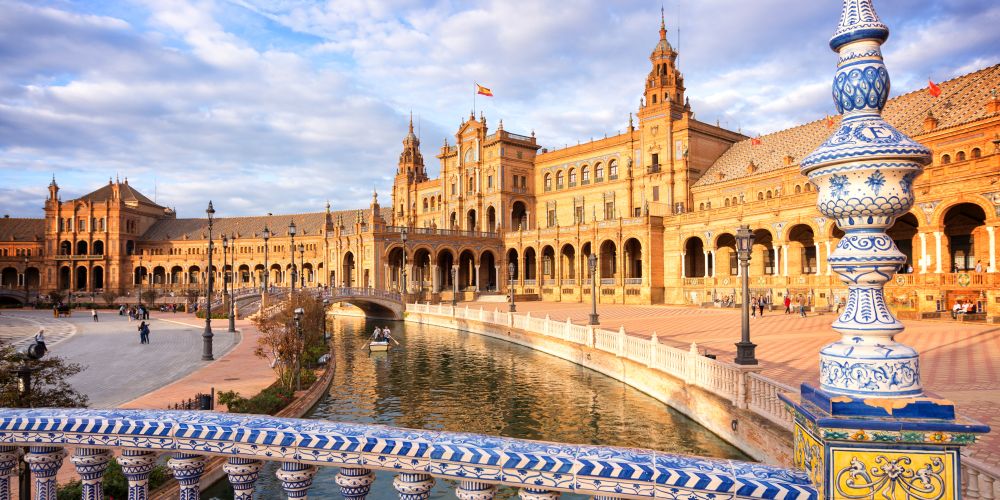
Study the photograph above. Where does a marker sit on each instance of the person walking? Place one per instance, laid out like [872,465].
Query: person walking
[788,304]
[145,331]
[142,332]
[753,307]
[93,312]
[760,305]
[802,306]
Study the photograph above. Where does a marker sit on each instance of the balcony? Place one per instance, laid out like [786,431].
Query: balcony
[652,169]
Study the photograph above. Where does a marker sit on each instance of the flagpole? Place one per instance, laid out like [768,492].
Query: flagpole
[475,87]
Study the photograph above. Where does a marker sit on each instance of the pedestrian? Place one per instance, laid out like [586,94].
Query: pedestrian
[788,304]
[142,332]
[840,304]
[121,310]
[760,305]
[979,266]
[802,306]
[145,331]
[93,312]
[753,307]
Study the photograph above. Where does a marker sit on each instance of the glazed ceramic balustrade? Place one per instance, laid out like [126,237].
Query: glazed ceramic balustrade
[478,462]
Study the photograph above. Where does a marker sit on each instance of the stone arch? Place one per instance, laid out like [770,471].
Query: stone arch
[608,259]
[347,269]
[159,276]
[194,275]
[801,249]
[243,276]
[65,277]
[904,232]
[445,260]
[471,221]
[81,248]
[512,259]
[65,248]
[8,277]
[81,277]
[567,259]
[548,263]
[98,248]
[762,259]
[488,277]
[394,259]
[694,257]
[97,277]
[530,264]
[586,249]
[421,266]
[491,219]
[518,216]
[633,258]
[32,277]
[547,181]
[966,240]
[726,263]
[275,275]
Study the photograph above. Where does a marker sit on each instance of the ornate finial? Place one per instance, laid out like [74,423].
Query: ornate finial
[663,25]
[631,124]
[327,206]
[411,121]
[865,172]
[500,125]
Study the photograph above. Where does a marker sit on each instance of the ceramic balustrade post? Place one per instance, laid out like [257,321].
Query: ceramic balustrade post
[691,366]
[568,330]
[243,474]
[591,333]
[413,486]
[8,469]
[44,463]
[355,482]
[475,490]
[620,345]
[654,342]
[537,494]
[136,466]
[187,469]
[296,479]
[547,329]
[90,464]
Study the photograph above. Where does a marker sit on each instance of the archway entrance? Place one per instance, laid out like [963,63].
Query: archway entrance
[518,216]
[903,231]
[491,220]
[347,272]
[98,277]
[81,278]
[965,228]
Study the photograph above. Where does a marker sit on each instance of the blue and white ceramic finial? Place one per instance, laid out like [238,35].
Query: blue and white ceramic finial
[864,174]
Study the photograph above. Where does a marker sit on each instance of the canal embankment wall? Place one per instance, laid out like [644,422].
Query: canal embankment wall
[732,401]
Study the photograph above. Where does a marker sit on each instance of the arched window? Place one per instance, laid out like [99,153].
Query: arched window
[945,159]
[701,206]
[572,177]
[809,187]
[726,203]
[612,170]
[472,183]
[769,194]
[798,189]
[734,201]
[598,172]
[976,153]
[760,196]
[548,182]
[559,179]
[960,156]
[654,98]
[425,204]
[585,175]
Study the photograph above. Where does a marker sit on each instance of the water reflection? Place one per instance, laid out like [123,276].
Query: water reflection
[446,380]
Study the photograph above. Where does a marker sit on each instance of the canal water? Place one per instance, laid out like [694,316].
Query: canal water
[442,379]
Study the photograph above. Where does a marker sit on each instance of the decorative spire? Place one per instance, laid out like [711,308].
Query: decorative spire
[865,172]
[663,25]
[411,122]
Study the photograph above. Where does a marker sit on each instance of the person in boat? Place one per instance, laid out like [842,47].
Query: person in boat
[385,334]
[378,335]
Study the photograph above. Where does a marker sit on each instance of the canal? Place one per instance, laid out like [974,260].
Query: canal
[442,379]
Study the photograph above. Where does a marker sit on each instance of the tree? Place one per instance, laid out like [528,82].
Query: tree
[55,296]
[110,296]
[279,339]
[49,381]
[149,297]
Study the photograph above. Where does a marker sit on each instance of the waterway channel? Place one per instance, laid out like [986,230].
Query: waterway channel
[442,379]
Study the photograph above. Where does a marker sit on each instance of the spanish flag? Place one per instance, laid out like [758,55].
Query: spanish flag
[755,141]
[933,88]
[483,91]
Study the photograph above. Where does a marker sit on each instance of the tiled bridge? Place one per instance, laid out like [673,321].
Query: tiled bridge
[539,470]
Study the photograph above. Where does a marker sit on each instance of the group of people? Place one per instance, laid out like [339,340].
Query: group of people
[133,312]
[757,304]
[963,307]
[800,305]
[381,334]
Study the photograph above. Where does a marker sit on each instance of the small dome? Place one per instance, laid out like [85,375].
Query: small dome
[663,46]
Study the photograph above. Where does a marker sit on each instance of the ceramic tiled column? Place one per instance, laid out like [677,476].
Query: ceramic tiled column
[413,486]
[474,490]
[243,474]
[869,430]
[188,469]
[44,463]
[90,464]
[136,466]
[296,479]
[8,469]
[355,483]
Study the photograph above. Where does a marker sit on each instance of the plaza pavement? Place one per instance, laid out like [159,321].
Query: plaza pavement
[959,361]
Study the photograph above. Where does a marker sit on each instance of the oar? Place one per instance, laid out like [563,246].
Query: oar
[394,340]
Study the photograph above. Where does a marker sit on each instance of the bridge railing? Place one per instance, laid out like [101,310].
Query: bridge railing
[478,463]
[344,292]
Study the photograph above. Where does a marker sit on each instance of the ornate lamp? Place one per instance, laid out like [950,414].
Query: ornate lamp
[291,233]
[511,269]
[868,430]
[206,336]
[745,350]
[592,263]
[266,234]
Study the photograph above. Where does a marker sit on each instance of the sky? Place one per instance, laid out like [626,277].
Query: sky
[282,105]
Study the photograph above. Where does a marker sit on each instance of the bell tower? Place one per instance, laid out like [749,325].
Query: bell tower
[409,172]
[664,84]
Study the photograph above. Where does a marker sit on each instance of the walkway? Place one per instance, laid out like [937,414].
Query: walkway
[959,361]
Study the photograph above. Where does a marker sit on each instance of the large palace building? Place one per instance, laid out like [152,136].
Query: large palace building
[658,205]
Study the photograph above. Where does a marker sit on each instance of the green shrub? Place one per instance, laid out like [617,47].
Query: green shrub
[114,482]
[267,402]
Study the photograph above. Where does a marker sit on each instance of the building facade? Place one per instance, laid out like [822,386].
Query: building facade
[657,205]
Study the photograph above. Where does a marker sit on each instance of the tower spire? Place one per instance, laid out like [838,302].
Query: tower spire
[663,24]
[411,121]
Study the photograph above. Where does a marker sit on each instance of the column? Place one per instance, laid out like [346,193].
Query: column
[784,260]
[44,463]
[8,469]
[683,264]
[243,474]
[475,279]
[992,268]
[937,251]
[500,278]
[780,255]
[715,265]
[923,252]
[537,494]
[434,278]
[355,483]
[473,490]
[187,469]
[706,262]
[819,258]
[136,466]
[413,486]
[90,464]
[296,479]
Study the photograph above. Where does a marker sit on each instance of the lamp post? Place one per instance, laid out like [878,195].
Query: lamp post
[454,285]
[511,268]
[225,276]
[302,265]
[298,352]
[139,270]
[403,272]
[27,292]
[206,337]
[23,374]
[267,271]
[291,232]
[232,286]
[592,263]
[745,348]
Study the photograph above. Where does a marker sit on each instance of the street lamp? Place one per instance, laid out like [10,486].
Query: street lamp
[291,232]
[225,276]
[592,263]
[298,353]
[511,268]
[27,292]
[267,271]
[302,265]
[454,284]
[206,354]
[232,288]
[745,348]
[140,278]
[403,236]
[23,374]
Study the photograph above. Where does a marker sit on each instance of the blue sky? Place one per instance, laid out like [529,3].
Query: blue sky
[279,105]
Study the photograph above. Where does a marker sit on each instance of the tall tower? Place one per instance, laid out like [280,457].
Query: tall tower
[409,173]
[664,84]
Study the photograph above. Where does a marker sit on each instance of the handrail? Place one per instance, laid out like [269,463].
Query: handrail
[416,456]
